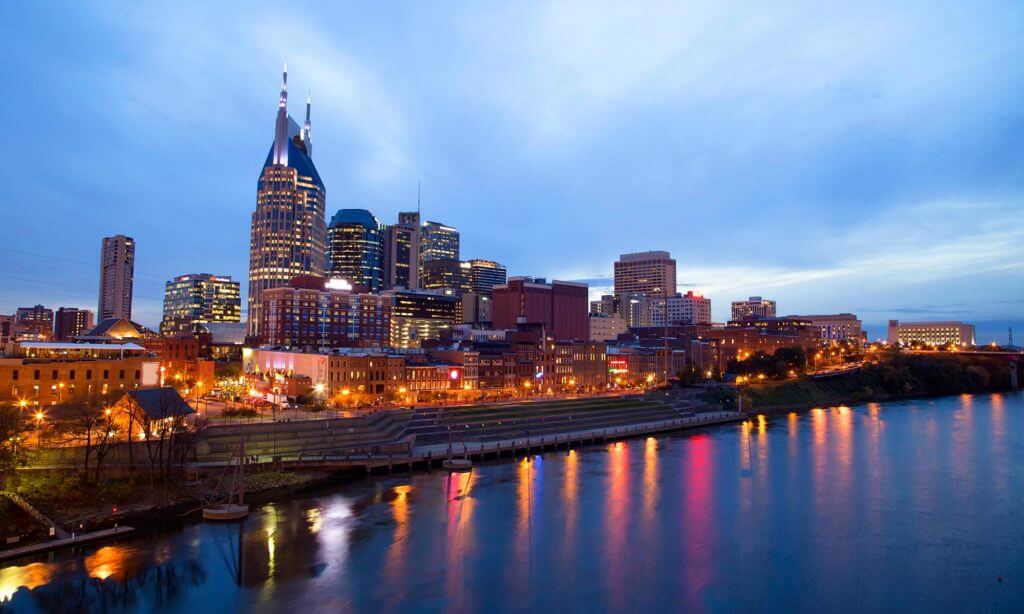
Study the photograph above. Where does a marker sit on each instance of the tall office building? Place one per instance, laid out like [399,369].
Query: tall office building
[69,322]
[444,274]
[484,275]
[355,251]
[753,307]
[289,232]
[645,273]
[199,298]
[402,253]
[438,242]
[117,276]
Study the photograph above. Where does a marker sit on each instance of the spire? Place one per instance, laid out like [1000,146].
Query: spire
[281,126]
[307,130]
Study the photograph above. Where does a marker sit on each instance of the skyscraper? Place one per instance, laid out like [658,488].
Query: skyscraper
[438,242]
[444,274]
[402,252]
[117,275]
[199,299]
[484,275]
[645,273]
[288,227]
[355,251]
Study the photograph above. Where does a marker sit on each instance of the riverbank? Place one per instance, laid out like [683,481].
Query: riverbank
[61,495]
[78,507]
[894,377]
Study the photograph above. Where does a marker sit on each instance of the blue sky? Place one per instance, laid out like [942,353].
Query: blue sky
[858,157]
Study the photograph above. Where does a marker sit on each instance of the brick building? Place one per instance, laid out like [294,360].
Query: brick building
[561,307]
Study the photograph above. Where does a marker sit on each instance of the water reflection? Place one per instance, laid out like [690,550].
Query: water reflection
[908,506]
[28,577]
[571,500]
[459,540]
[698,515]
[616,525]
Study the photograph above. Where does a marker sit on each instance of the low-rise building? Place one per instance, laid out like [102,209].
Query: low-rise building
[606,327]
[945,332]
[835,327]
[341,376]
[313,312]
[181,363]
[753,307]
[40,374]
[689,308]
[35,323]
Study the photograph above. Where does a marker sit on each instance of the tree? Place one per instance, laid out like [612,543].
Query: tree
[88,423]
[165,432]
[12,436]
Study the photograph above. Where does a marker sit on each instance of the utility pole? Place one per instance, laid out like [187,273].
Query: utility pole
[665,331]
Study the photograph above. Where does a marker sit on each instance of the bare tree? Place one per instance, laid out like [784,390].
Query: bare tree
[88,424]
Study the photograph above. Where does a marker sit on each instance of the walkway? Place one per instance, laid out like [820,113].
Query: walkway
[54,544]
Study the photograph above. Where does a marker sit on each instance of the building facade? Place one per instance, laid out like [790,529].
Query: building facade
[418,316]
[355,248]
[560,307]
[44,374]
[645,273]
[946,332]
[753,307]
[689,308]
[199,298]
[288,231]
[606,328]
[35,323]
[836,327]
[313,313]
[117,277]
[69,322]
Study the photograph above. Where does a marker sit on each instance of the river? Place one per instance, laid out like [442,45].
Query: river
[912,506]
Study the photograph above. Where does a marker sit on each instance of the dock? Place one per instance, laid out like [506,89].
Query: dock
[55,544]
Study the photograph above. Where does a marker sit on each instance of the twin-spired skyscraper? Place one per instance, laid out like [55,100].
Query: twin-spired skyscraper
[289,233]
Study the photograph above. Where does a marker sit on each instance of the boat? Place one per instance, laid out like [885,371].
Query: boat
[225,511]
[457,465]
[230,510]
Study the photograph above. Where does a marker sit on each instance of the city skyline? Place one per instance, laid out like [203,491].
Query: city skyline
[916,228]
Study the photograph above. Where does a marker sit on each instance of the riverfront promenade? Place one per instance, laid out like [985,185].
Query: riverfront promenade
[407,436]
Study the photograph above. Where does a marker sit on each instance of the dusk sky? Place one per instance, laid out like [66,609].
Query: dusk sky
[860,157]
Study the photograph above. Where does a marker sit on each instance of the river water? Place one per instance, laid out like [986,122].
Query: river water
[907,506]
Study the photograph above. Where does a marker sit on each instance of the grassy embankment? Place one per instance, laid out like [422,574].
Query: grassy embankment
[68,501]
[893,376]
